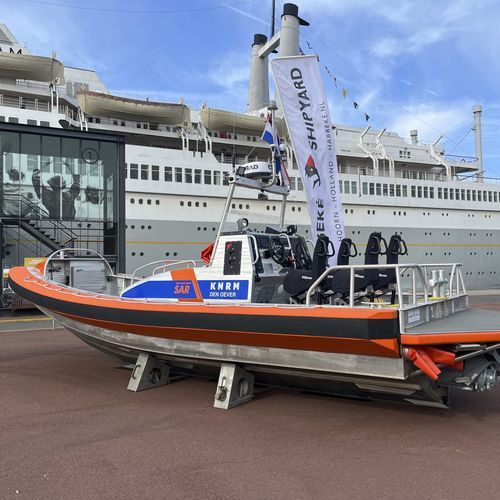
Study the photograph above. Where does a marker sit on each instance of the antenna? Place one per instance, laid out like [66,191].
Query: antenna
[273,11]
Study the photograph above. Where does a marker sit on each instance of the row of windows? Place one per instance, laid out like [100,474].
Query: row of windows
[380,189]
[13,119]
[214,177]
[177,174]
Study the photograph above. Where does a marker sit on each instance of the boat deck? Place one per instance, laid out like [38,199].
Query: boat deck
[470,321]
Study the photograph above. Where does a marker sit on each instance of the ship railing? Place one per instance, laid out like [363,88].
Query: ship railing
[415,287]
[165,265]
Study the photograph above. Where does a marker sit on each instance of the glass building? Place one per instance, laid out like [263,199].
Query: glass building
[60,188]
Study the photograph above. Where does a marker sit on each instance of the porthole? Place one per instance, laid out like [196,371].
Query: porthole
[167,254]
[142,227]
[189,203]
[132,200]
[157,202]
[141,254]
[204,203]
[149,227]
[182,203]
[140,201]
[175,254]
[247,207]
[197,204]
[132,226]
[149,202]
[133,254]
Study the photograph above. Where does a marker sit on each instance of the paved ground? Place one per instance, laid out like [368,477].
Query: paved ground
[70,429]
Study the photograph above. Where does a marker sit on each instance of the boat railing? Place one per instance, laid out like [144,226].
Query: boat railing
[165,265]
[72,253]
[420,282]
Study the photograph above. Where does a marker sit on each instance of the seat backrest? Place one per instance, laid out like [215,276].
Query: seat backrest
[321,255]
[376,246]
[396,247]
[347,249]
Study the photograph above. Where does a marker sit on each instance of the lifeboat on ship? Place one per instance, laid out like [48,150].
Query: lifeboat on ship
[124,108]
[265,308]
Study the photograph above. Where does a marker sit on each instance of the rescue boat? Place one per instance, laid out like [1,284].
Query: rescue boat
[263,308]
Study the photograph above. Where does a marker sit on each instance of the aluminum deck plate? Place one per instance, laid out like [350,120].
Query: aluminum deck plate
[472,320]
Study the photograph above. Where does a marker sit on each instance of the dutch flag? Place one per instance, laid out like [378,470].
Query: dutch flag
[268,136]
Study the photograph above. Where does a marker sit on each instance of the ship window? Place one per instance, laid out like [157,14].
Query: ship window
[385,190]
[178,174]
[346,187]
[462,194]
[431,192]
[216,177]
[452,193]
[365,187]
[468,194]
[149,202]
[426,192]
[300,186]
[490,196]
[31,122]
[167,174]
[13,120]
[341,186]
[398,190]
[132,200]
[45,124]
[440,193]
[372,188]
[354,187]
[32,162]
[292,183]
[445,193]
[378,189]
[473,195]
[126,170]
[157,202]
[391,189]
[2,118]
[140,201]
[134,171]
[155,172]
[188,175]
[207,174]
[197,176]
[419,191]
[479,196]
[413,192]
[225,178]
[495,197]
[189,203]
[144,172]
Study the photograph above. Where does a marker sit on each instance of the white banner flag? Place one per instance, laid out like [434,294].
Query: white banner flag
[302,96]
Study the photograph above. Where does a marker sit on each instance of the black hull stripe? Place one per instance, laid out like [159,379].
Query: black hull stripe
[350,328]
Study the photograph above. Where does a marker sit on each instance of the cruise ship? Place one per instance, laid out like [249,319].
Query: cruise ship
[178,159]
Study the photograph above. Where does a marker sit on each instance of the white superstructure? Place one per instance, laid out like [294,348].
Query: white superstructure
[177,159]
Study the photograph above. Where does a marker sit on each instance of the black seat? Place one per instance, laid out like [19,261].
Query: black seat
[340,278]
[387,277]
[298,281]
[363,278]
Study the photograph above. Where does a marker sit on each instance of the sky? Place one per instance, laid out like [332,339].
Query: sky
[408,65]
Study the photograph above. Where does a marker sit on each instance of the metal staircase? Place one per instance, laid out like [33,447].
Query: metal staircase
[35,221]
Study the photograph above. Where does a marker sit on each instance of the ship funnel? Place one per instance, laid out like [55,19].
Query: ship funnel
[477,110]
[258,85]
[414,136]
[290,23]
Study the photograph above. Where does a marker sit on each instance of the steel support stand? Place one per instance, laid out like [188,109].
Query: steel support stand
[148,372]
[235,387]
